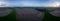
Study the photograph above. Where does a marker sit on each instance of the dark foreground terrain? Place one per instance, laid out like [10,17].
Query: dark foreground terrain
[27,14]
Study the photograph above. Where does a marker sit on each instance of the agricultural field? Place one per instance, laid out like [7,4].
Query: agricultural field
[26,14]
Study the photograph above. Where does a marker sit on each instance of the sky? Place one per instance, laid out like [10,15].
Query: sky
[29,3]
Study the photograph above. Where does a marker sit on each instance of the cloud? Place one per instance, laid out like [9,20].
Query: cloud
[4,4]
[24,3]
[54,4]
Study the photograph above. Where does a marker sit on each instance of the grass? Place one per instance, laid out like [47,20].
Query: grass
[10,17]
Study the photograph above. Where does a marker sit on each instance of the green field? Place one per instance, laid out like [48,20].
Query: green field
[47,17]
[10,17]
